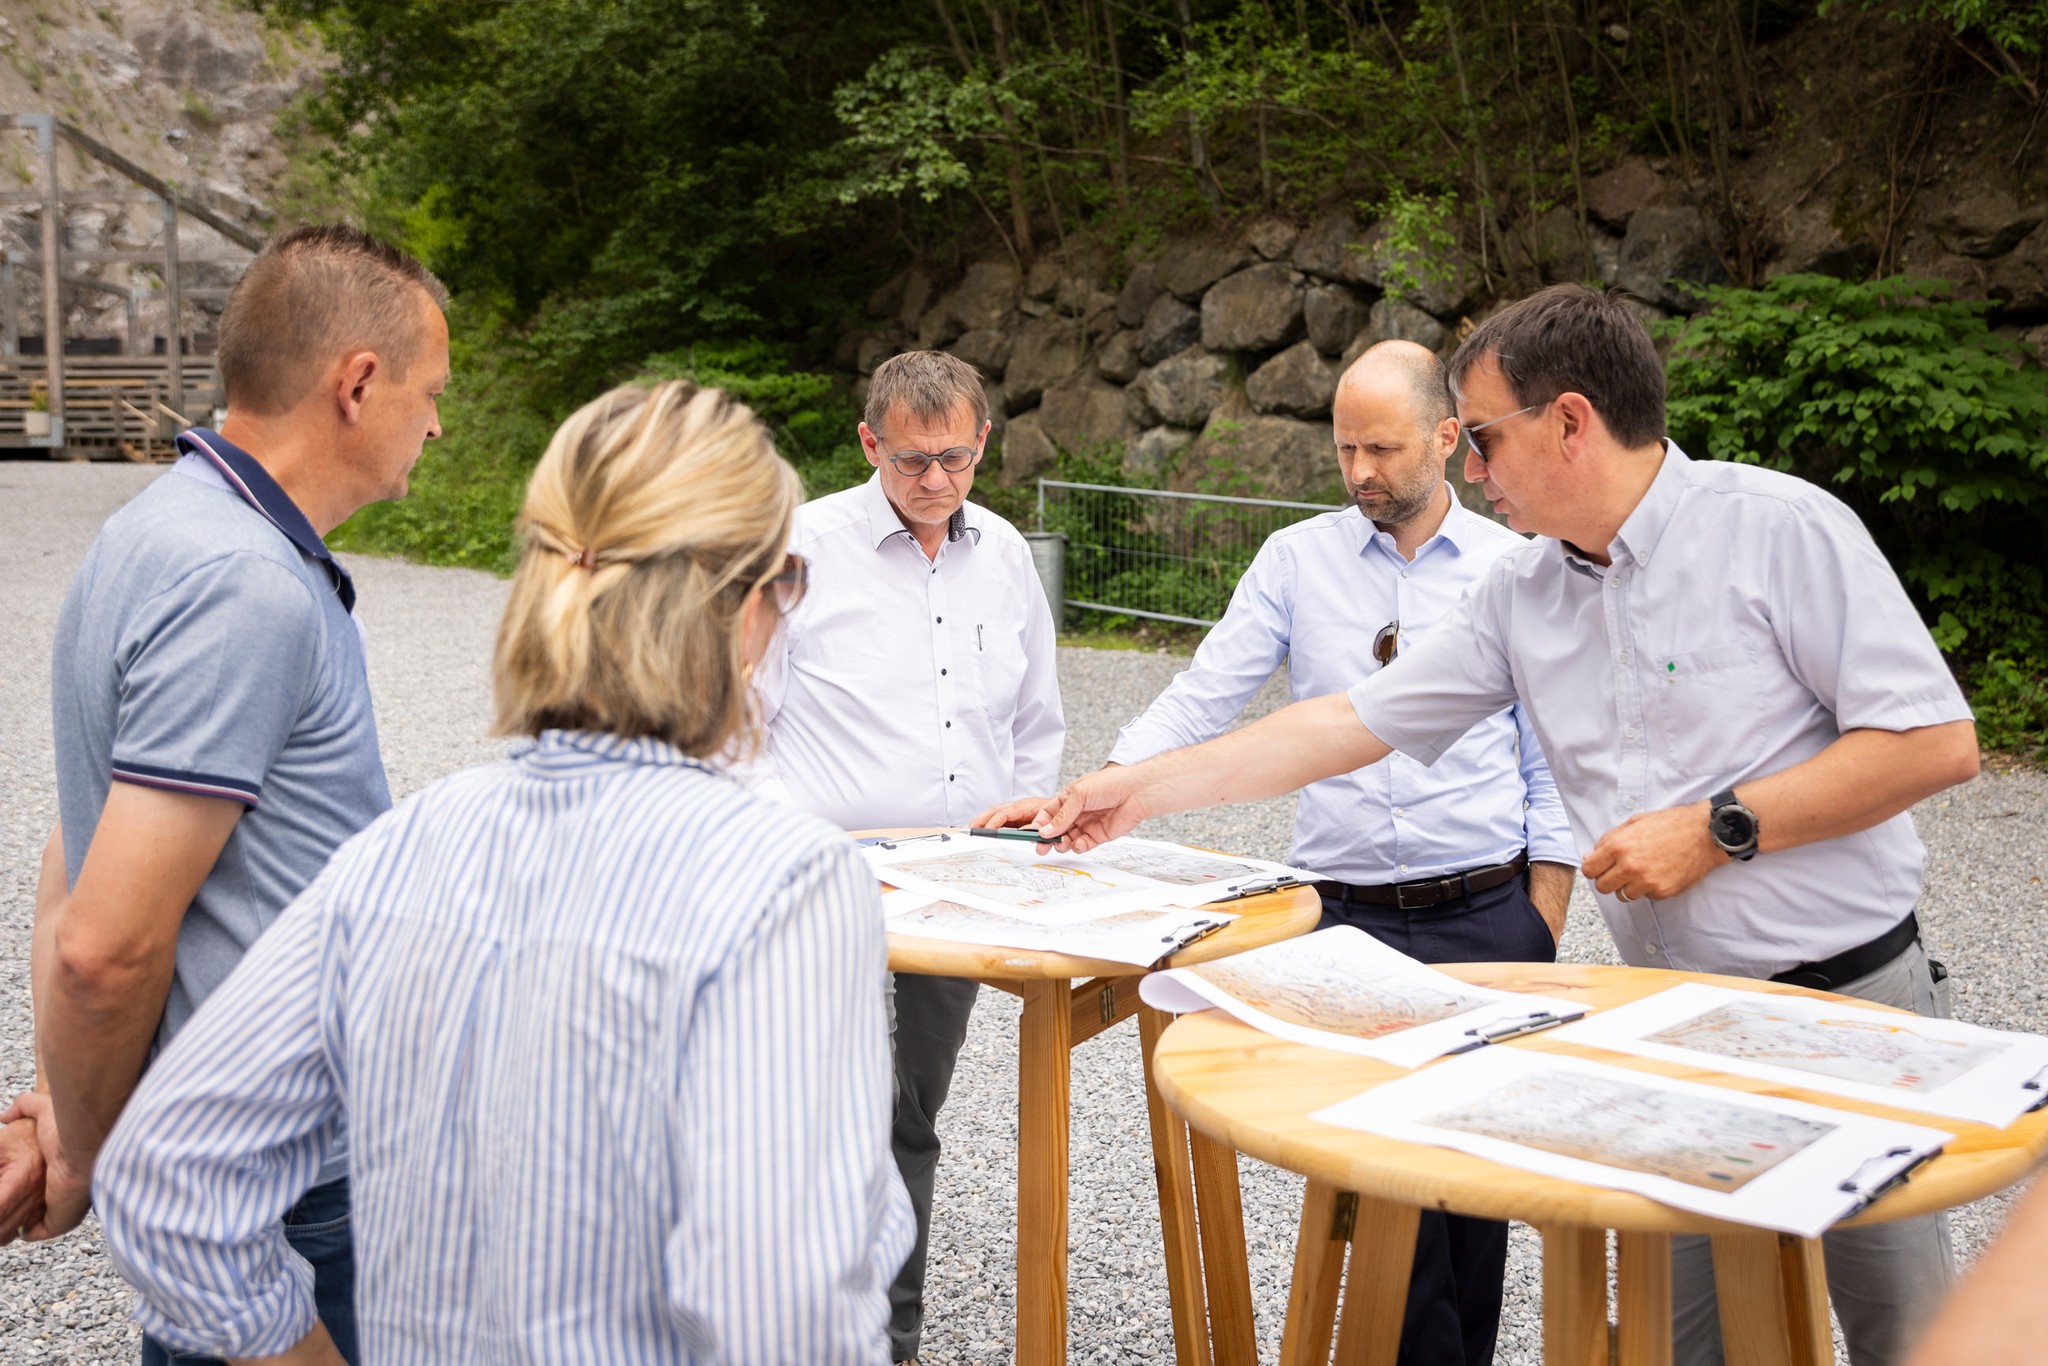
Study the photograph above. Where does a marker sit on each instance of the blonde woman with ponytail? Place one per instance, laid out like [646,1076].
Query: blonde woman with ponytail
[605,1030]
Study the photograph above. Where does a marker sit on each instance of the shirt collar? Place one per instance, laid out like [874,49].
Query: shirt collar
[247,478]
[1457,530]
[884,521]
[571,751]
[1645,527]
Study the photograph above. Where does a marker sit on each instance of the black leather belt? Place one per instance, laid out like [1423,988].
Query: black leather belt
[1861,961]
[1429,891]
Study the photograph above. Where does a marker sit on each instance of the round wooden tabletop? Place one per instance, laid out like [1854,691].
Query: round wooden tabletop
[1256,1092]
[1260,920]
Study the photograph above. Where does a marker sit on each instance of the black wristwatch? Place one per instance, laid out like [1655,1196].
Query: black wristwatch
[1732,825]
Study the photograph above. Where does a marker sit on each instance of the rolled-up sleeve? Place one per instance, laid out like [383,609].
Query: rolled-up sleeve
[228,1128]
[793,1220]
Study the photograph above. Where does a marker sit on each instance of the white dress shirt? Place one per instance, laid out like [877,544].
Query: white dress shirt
[606,1034]
[1316,595]
[905,690]
[1746,621]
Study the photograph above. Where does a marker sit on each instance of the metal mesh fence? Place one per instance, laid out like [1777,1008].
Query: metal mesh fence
[1155,554]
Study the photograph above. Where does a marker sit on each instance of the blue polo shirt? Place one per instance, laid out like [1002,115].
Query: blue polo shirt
[207,645]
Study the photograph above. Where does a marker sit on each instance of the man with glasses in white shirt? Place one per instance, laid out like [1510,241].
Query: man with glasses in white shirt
[1737,697]
[1467,861]
[915,686]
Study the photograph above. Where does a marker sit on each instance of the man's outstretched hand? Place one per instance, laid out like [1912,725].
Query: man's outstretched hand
[21,1180]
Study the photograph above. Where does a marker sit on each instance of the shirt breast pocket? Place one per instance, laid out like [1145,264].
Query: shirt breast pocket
[1705,709]
[999,666]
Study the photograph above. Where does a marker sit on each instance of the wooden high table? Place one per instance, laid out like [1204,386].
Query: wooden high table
[1068,1001]
[1254,1093]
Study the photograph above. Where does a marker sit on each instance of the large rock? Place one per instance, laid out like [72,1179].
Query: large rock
[1189,268]
[1550,247]
[1155,449]
[1254,310]
[1047,351]
[1138,293]
[939,325]
[1809,239]
[1612,197]
[2019,279]
[873,351]
[1083,412]
[1270,238]
[1334,313]
[1984,220]
[1285,456]
[1044,278]
[987,350]
[1298,382]
[1082,297]
[1667,243]
[1327,249]
[985,295]
[1027,452]
[1445,285]
[1184,389]
[1396,320]
[1118,361]
[1169,326]
[916,298]
[185,52]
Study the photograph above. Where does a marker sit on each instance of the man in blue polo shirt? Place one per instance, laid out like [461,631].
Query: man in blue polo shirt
[214,736]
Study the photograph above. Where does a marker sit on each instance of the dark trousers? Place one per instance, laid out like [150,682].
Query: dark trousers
[931,1025]
[1454,1287]
[317,1229]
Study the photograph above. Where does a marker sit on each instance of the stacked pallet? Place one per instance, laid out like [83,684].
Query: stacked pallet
[112,404]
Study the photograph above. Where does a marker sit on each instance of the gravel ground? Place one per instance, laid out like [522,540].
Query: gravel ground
[430,632]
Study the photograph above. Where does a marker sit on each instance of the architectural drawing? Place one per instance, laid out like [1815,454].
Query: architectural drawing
[1350,997]
[1865,1050]
[1712,1144]
[1181,867]
[1012,882]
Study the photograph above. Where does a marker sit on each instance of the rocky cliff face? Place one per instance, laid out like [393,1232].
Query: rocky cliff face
[188,89]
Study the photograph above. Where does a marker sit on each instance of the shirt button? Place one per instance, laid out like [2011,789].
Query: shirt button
[1622,658]
[1400,811]
[949,725]
[1630,732]
[1628,803]
[1404,573]
[1656,950]
[949,777]
[940,620]
[1404,867]
[942,673]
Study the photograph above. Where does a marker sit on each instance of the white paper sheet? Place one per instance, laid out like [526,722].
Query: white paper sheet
[1140,938]
[1341,988]
[1758,1160]
[1939,1067]
[1011,878]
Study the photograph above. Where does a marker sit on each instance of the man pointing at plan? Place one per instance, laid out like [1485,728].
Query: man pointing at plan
[1737,699]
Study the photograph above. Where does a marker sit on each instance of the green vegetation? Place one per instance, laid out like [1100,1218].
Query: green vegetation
[1931,427]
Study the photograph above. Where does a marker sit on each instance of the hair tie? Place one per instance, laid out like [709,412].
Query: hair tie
[585,558]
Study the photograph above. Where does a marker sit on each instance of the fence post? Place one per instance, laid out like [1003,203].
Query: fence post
[1049,557]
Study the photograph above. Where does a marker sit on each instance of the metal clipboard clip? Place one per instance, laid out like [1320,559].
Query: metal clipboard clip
[2038,1083]
[1514,1028]
[1865,1197]
[1277,884]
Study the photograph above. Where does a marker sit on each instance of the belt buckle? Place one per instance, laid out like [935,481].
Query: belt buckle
[1433,889]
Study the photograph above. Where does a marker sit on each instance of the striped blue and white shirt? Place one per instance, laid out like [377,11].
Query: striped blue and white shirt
[608,1034]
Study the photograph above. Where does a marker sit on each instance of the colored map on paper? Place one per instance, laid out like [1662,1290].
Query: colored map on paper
[1181,867]
[1021,883]
[1894,1056]
[1354,997]
[1711,1144]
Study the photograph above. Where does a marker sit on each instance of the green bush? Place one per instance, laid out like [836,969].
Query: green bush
[1931,426]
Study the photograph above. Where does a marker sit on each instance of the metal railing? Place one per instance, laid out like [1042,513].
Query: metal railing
[1156,554]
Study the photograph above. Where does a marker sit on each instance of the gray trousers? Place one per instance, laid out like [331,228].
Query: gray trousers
[928,1024]
[1884,1281]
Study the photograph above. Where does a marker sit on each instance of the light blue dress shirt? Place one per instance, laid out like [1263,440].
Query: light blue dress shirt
[1746,621]
[1316,595]
[608,1032]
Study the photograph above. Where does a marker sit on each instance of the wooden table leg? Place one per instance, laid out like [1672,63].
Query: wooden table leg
[1376,1292]
[1318,1269]
[1773,1296]
[1575,1296]
[1043,1056]
[1172,1167]
[1644,1276]
[1226,1269]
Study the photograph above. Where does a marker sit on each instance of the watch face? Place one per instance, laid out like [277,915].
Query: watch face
[1732,827]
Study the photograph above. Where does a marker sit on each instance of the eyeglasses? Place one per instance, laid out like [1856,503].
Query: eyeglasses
[1386,644]
[789,583]
[1472,432]
[915,463]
